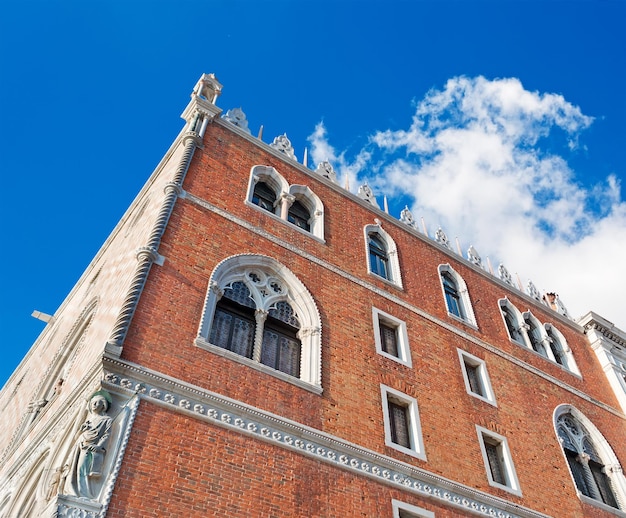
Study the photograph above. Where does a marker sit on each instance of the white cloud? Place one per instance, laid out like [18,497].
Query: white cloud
[473,162]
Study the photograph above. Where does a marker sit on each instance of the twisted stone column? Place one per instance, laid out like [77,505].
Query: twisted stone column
[148,254]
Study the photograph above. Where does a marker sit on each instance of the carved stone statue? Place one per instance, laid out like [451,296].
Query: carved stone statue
[88,458]
[56,481]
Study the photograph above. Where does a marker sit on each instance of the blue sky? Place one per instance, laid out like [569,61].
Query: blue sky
[424,100]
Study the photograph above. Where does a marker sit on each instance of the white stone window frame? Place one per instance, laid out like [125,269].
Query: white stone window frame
[464,297]
[415,429]
[606,454]
[392,254]
[521,325]
[402,337]
[469,359]
[512,483]
[238,268]
[286,195]
[565,348]
[404,510]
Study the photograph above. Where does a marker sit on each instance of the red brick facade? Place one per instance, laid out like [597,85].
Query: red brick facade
[179,466]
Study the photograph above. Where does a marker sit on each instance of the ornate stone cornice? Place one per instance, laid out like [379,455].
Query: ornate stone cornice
[233,415]
[606,332]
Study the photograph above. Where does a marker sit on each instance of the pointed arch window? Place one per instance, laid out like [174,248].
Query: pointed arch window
[379,259]
[535,334]
[264,196]
[299,216]
[382,254]
[513,321]
[456,295]
[294,204]
[595,470]
[258,313]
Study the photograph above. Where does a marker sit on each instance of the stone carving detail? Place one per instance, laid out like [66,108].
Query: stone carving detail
[237,117]
[532,290]
[326,170]
[365,193]
[505,276]
[473,256]
[208,87]
[554,302]
[407,218]
[283,144]
[57,481]
[90,449]
[442,239]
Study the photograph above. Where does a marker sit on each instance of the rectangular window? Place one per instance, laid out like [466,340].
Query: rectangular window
[390,337]
[498,460]
[404,510]
[402,424]
[399,424]
[476,377]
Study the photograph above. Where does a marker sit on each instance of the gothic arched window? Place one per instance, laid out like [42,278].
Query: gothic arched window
[382,254]
[513,321]
[257,309]
[535,334]
[299,216]
[456,295]
[379,260]
[295,204]
[264,196]
[593,465]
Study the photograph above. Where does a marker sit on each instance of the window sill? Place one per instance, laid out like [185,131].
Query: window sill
[386,281]
[407,451]
[406,363]
[203,344]
[463,321]
[563,368]
[601,505]
[482,398]
[508,489]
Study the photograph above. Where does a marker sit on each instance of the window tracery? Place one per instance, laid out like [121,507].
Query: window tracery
[258,309]
[593,466]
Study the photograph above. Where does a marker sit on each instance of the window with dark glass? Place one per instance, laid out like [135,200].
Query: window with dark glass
[453,298]
[399,423]
[493,449]
[473,376]
[534,334]
[512,324]
[299,216]
[281,347]
[389,339]
[264,196]
[234,322]
[586,466]
[234,328]
[557,348]
[379,259]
